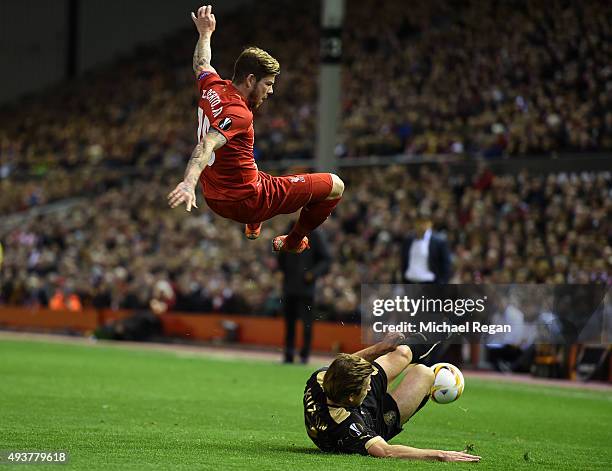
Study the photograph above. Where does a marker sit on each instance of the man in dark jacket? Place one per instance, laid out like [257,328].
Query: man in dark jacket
[425,254]
[301,272]
[426,259]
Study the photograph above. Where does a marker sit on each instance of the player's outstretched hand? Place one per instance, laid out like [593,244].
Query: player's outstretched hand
[183,193]
[458,456]
[204,20]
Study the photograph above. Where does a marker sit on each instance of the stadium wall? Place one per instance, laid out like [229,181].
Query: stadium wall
[35,40]
[33,43]
[262,331]
[115,26]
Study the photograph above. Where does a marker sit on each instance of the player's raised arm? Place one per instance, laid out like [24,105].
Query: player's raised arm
[388,344]
[205,23]
[381,449]
[185,190]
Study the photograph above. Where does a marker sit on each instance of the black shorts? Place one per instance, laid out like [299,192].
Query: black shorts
[382,407]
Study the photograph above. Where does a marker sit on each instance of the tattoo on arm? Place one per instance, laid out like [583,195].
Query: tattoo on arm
[215,138]
[196,164]
[201,155]
[202,53]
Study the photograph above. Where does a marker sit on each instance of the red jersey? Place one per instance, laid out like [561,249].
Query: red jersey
[231,173]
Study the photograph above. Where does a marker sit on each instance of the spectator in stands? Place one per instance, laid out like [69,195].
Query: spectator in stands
[504,350]
[65,298]
[502,79]
[519,229]
[425,253]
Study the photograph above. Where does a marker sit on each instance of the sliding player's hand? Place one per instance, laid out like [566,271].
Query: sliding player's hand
[204,20]
[458,456]
[183,193]
[390,342]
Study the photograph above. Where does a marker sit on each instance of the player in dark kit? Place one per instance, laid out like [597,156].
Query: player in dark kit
[223,159]
[348,409]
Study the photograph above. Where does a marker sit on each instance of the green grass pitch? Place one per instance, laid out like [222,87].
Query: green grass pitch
[118,408]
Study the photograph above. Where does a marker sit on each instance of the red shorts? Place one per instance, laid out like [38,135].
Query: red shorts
[276,195]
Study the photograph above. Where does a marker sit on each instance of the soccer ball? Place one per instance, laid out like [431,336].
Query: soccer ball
[448,383]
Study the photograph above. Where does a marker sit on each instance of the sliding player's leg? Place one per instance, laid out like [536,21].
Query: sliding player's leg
[413,391]
[395,362]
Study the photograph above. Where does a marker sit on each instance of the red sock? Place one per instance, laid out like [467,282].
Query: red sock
[311,217]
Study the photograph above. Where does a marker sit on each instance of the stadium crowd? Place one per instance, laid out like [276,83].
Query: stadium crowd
[118,248]
[491,78]
[495,79]
[488,79]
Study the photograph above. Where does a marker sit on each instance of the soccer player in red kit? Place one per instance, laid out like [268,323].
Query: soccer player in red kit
[223,159]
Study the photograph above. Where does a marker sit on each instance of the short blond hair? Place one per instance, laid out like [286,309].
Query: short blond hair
[256,61]
[346,375]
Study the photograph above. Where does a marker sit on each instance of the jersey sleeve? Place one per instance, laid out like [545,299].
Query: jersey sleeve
[233,120]
[354,436]
[205,78]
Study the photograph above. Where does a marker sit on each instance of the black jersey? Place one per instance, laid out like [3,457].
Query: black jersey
[336,429]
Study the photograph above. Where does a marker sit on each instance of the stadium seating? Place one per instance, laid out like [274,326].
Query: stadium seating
[123,133]
[114,248]
[535,85]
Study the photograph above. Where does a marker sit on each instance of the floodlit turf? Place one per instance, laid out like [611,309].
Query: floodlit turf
[118,408]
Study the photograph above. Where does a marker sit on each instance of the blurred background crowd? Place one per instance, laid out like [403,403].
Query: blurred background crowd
[479,78]
[116,249]
[475,79]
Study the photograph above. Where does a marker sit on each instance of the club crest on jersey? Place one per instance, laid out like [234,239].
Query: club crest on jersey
[389,417]
[225,124]
[297,179]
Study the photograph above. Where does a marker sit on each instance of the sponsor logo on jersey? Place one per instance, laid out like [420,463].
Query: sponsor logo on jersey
[203,74]
[225,124]
[356,430]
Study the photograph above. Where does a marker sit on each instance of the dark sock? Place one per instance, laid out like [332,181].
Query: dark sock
[418,350]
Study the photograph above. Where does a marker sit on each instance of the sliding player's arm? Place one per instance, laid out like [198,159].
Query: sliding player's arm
[388,344]
[185,190]
[381,449]
[205,23]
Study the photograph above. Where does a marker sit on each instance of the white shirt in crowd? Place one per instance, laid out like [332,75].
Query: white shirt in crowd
[520,333]
[418,268]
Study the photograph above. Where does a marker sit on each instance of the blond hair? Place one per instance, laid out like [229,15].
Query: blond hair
[345,376]
[256,61]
